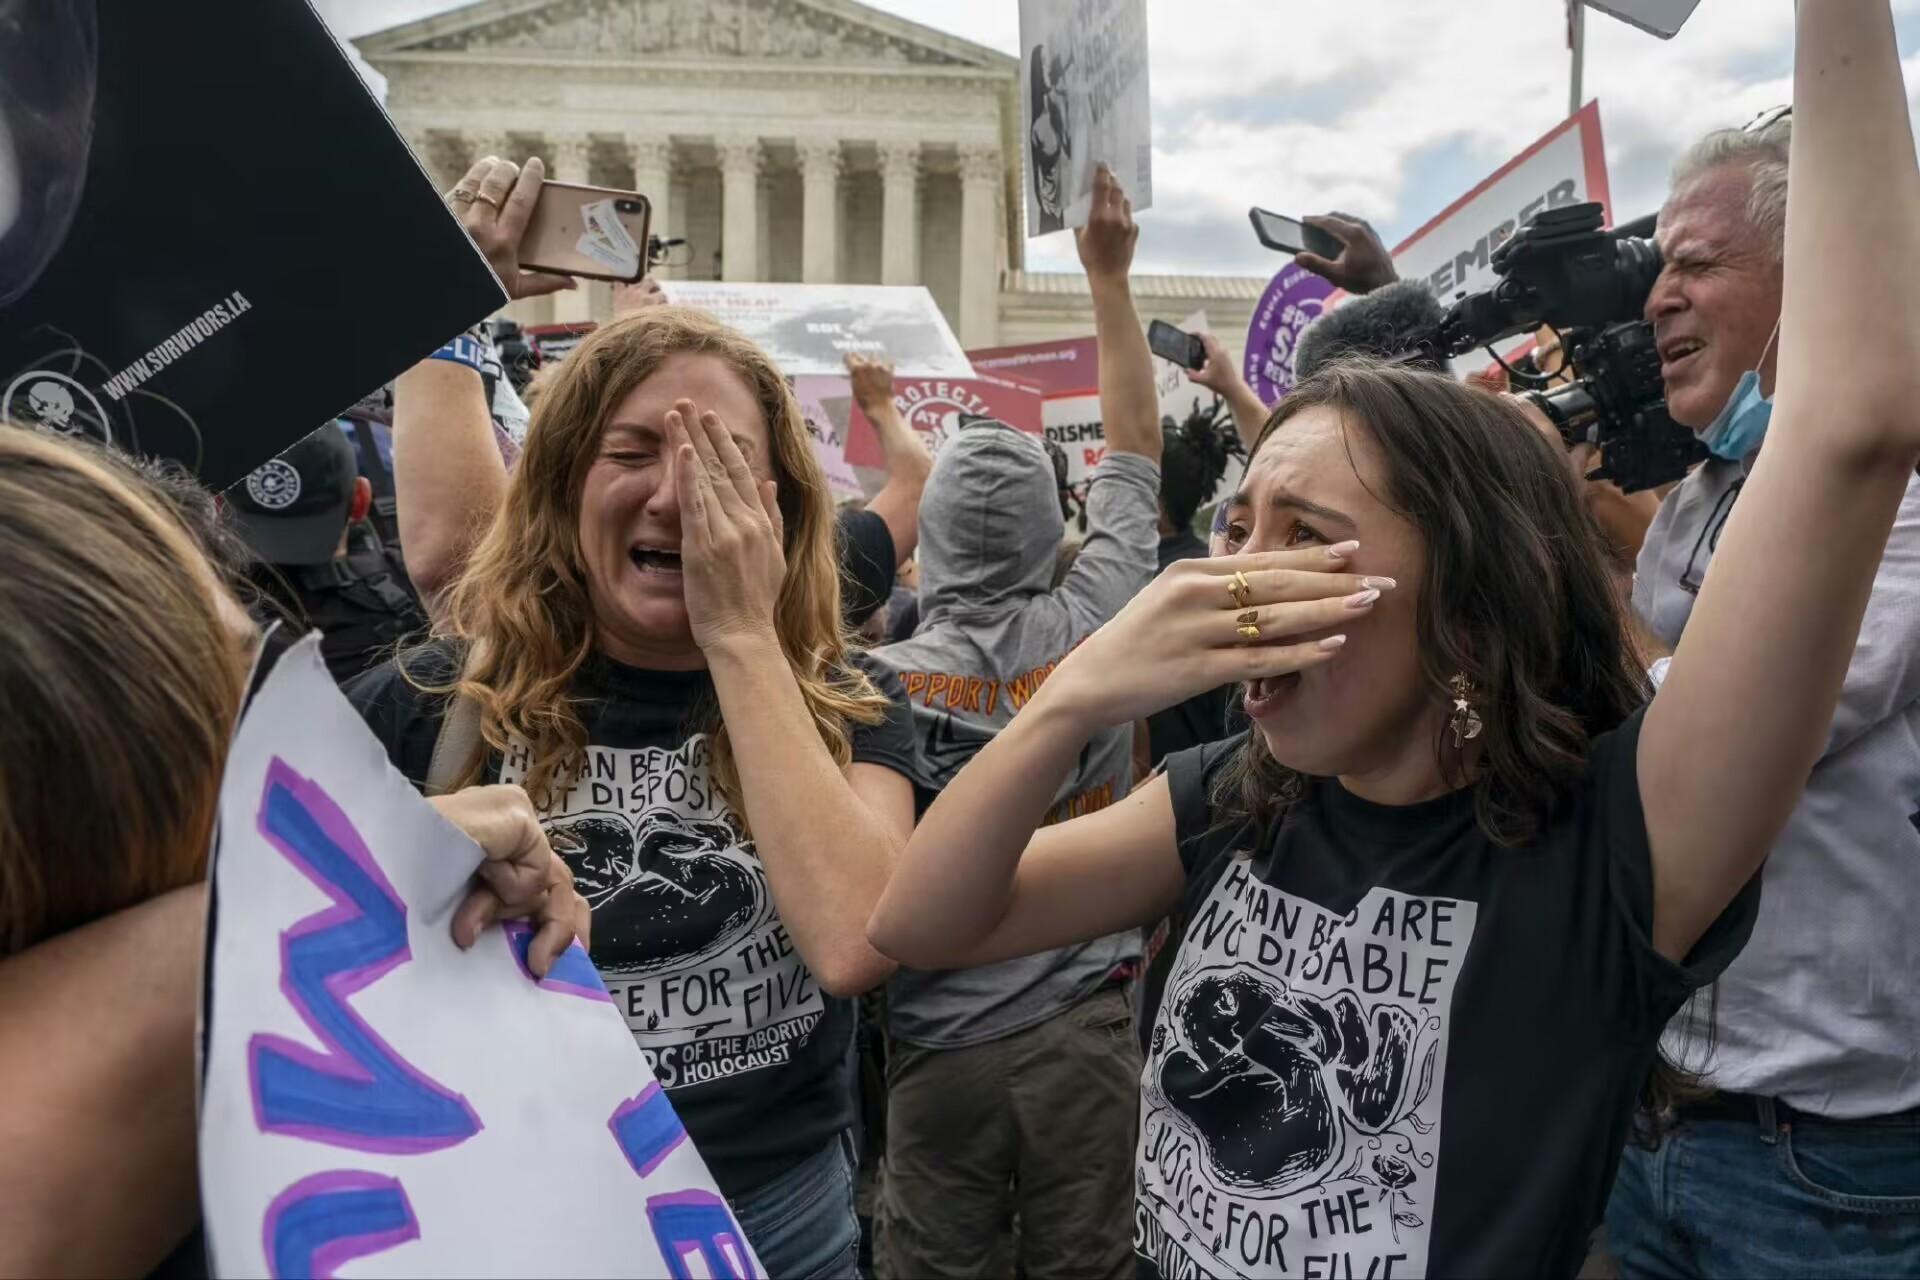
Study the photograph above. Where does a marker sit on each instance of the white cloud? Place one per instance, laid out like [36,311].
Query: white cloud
[1384,108]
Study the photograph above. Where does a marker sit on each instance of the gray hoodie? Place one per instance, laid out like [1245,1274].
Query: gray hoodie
[990,632]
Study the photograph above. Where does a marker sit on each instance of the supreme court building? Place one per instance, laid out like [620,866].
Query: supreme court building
[785,140]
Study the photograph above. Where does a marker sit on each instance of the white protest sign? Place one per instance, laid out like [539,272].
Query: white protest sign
[810,328]
[374,1095]
[1084,102]
[1453,251]
[1662,18]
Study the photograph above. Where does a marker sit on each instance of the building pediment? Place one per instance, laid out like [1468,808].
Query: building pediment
[823,32]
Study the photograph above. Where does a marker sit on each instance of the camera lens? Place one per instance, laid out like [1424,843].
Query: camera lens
[627,206]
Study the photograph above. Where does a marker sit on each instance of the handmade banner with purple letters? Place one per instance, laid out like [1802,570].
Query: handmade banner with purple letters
[375,1097]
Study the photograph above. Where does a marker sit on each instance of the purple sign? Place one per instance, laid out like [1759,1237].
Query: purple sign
[1294,299]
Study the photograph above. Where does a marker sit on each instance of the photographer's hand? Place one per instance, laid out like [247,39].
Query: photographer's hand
[1363,265]
[1220,376]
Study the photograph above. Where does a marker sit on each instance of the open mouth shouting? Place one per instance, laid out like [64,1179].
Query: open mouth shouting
[660,560]
[1675,352]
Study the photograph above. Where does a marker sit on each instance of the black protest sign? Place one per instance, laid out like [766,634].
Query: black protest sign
[211,238]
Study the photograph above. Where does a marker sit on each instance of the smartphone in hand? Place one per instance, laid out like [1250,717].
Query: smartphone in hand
[598,233]
[1177,345]
[1290,235]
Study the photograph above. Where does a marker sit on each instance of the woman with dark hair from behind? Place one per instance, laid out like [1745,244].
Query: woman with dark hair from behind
[122,668]
[1448,890]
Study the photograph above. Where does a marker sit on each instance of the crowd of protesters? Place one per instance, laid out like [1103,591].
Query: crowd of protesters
[1638,842]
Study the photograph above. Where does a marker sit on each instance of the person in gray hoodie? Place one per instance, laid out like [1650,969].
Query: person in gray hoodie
[1011,1087]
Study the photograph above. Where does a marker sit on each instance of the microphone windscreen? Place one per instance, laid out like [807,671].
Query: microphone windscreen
[1391,321]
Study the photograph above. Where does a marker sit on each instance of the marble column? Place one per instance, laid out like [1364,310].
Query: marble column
[480,145]
[740,201]
[820,212]
[569,159]
[981,178]
[900,219]
[653,178]
[424,150]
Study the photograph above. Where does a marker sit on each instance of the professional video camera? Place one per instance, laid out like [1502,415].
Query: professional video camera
[1590,286]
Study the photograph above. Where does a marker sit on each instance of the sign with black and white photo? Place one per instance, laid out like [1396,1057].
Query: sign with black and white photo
[211,238]
[1083,98]
[811,328]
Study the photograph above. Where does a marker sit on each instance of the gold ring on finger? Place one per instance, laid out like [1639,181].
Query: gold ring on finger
[1249,631]
[460,195]
[487,200]
[1249,618]
[1239,588]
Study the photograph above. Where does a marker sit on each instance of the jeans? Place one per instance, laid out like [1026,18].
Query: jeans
[1771,1197]
[802,1223]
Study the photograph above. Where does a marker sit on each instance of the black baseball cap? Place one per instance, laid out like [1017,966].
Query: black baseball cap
[293,509]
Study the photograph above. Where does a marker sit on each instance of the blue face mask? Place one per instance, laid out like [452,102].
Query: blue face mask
[1741,424]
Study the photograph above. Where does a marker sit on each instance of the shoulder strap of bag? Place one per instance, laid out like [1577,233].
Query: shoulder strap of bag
[456,745]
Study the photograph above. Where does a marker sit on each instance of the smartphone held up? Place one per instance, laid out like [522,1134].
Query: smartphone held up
[1179,346]
[1290,235]
[596,233]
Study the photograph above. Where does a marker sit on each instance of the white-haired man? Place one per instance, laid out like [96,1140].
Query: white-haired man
[1806,1158]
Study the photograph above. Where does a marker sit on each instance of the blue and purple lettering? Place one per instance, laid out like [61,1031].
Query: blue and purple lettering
[320,1222]
[699,1222]
[358,1093]
[572,974]
[647,1129]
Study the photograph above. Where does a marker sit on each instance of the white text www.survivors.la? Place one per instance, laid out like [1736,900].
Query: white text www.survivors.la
[186,338]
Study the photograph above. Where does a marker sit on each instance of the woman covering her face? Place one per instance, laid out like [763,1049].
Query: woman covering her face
[1442,898]
[648,637]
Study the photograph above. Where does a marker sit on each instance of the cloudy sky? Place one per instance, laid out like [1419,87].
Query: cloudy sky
[1388,109]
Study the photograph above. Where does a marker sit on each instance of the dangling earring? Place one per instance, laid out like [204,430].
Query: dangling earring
[1465,721]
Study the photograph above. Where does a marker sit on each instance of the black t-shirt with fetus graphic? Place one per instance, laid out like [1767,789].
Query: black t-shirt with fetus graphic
[758,1060]
[1387,1046]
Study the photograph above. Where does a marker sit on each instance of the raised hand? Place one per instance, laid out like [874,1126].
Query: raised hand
[1363,265]
[1106,242]
[1218,374]
[494,202]
[1181,636]
[731,534]
[872,381]
[521,876]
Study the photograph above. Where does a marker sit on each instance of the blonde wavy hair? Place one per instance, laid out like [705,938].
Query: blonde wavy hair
[521,606]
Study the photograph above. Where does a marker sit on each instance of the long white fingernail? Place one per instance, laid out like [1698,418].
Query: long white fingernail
[1341,550]
[1329,644]
[1379,584]
[1362,599]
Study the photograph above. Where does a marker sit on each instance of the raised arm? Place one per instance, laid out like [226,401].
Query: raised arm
[1744,714]
[448,476]
[1129,401]
[908,462]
